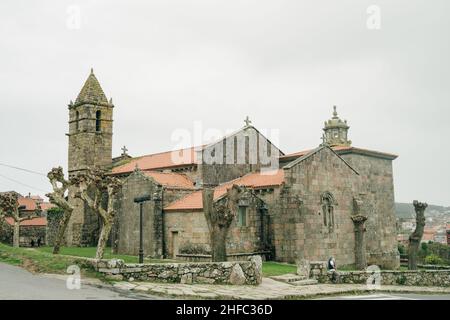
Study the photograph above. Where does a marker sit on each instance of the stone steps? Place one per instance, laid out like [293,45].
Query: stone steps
[305,282]
[288,278]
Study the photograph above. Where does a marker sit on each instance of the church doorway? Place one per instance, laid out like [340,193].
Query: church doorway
[175,244]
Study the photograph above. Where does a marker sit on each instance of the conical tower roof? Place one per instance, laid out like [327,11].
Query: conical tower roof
[91,92]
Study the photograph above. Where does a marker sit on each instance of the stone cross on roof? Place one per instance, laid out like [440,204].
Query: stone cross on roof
[124,150]
[247,121]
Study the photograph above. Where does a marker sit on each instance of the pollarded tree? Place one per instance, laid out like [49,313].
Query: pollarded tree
[91,187]
[416,236]
[9,204]
[58,197]
[219,215]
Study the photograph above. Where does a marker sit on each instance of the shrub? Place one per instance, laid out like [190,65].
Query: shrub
[433,259]
[190,248]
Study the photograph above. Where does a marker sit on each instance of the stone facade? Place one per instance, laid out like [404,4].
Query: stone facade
[304,227]
[376,182]
[237,154]
[126,227]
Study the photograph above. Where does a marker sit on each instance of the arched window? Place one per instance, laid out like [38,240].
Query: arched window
[98,121]
[77,118]
[328,204]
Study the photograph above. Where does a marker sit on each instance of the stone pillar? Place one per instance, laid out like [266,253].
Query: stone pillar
[359,218]
[360,245]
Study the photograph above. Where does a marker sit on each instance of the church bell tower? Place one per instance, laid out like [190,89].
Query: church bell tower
[336,131]
[90,128]
[90,145]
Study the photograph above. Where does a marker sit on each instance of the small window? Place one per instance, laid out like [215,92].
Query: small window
[98,121]
[77,118]
[242,217]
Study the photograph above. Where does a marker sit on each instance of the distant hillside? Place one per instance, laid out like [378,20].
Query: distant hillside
[406,210]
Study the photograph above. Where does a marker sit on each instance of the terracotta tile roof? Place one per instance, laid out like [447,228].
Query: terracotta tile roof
[36,222]
[194,200]
[47,205]
[340,149]
[171,179]
[161,160]
[428,237]
[30,204]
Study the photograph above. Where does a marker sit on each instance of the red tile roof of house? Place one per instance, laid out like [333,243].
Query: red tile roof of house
[30,204]
[170,179]
[339,150]
[36,222]
[194,201]
[47,205]
[161,160]
[428,237]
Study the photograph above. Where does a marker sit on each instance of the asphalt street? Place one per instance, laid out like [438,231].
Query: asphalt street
[382,296]
[19,284]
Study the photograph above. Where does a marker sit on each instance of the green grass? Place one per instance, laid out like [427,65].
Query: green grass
[40,261]
[271,268]
[89,252]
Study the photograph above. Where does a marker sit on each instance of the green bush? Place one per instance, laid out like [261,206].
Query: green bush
[433,259]
[190,248]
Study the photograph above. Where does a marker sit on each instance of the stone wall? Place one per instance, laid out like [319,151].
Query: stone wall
[235,273]
[237,155]
[126,227]
[299,227]
[190,227]
[230,257]
[27,234]
[440,278]
[377,183]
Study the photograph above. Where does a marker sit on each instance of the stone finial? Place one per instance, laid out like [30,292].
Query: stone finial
[335,114]
[247,121]
[92,70]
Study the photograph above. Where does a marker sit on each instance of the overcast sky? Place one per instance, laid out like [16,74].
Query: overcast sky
[167,64]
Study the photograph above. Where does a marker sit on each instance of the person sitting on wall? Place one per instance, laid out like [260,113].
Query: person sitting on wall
[331,264]
[332,269]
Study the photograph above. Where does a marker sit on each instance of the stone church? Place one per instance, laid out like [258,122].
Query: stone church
[301,207]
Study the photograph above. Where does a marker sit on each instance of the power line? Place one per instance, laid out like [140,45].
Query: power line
[22,169]
[23,184]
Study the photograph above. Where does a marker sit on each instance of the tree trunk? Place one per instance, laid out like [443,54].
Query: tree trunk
[63,223]
[104,234]
[416,236]
[16,239]
[218,237]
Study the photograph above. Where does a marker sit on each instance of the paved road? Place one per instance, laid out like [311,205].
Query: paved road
[382,296]
[18,284]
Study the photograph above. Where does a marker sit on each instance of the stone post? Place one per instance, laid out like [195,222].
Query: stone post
[359,219]
[360,245]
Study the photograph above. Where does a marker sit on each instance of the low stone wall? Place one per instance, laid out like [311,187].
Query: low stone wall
[230,272]
[440,278]
[230,257]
